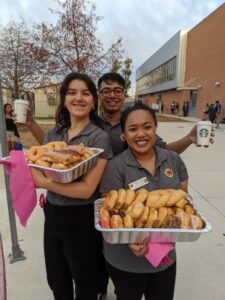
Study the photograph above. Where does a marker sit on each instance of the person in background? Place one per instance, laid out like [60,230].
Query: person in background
[217,108]
[185,108]
[172,108]
[212,113]
[11,128]
[72,245]
[205,112]
[132,274]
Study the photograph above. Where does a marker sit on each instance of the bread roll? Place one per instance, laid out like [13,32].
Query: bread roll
[110,200]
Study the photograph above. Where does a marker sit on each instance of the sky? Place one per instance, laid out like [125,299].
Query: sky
[143,25]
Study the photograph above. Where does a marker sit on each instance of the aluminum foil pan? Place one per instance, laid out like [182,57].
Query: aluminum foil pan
[73,173]
[157,235]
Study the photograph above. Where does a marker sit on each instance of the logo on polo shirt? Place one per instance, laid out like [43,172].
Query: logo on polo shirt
[168,172]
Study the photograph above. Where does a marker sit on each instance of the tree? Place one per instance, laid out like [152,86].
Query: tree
[22,64]
[125,68]
[71,43]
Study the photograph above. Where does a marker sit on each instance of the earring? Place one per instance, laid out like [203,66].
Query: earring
[122,137]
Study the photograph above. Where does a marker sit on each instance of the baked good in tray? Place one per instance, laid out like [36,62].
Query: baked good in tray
[168,208]
[58,155]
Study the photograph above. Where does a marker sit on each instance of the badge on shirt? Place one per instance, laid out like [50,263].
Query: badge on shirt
[168,172]
[138,183]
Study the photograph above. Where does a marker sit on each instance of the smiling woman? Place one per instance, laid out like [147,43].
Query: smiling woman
[69,231]
[147,164]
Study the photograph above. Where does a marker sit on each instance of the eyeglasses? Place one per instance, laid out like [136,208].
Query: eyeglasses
[107,92]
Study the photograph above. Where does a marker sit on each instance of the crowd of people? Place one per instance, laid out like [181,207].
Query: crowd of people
[77,260]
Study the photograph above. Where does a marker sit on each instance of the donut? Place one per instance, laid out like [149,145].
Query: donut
[56,146]
[128,221]
[110,200]
[121,198]
[59,166]
[116,221]
[143,218]
[36,152]
[130,196]
[42,162]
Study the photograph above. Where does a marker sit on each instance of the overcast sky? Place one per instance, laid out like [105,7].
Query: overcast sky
[143,25]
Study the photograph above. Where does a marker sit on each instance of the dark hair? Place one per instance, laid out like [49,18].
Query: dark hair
[115,77]
[5,105]
[62,114]
[136,106]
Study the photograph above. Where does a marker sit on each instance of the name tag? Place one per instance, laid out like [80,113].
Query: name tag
[138,183]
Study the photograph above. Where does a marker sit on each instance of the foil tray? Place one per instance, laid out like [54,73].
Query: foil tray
[73,173]
[155,235]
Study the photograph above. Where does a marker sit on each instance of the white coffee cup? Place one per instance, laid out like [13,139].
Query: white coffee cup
[204,129]
[20,107]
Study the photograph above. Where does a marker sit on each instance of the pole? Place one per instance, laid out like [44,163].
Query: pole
[17,253]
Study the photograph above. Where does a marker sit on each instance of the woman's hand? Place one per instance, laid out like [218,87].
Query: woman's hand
[140,249]
[39,179]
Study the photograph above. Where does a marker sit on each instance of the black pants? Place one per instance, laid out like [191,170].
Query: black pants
[103,276]
[132,286]
[71,246]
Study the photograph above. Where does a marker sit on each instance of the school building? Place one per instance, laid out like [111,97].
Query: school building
[189,67]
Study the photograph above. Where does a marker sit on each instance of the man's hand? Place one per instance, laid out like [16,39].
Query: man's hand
[140,249]
[30,119]
[193,136]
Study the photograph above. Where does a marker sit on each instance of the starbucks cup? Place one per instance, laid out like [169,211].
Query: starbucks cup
[20,107]
[204,129]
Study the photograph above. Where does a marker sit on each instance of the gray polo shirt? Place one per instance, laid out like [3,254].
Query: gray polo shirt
[90,136]
[123,170]
[115,132]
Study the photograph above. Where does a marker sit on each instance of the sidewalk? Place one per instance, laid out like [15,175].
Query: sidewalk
[200,264]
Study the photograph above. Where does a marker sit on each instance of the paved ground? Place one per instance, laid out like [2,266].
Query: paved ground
[201,264]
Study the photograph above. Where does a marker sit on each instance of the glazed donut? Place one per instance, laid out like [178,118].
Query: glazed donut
[161,216]
[104,218]
[121,198]
[130,196]
[152,218]
[116,221]
[128,221]
[42,162]
[56,146]
[59,166]
[136,210]
[36,152]
[110,200]
[143,218]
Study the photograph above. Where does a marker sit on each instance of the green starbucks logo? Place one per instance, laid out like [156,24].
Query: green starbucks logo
[204,132]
